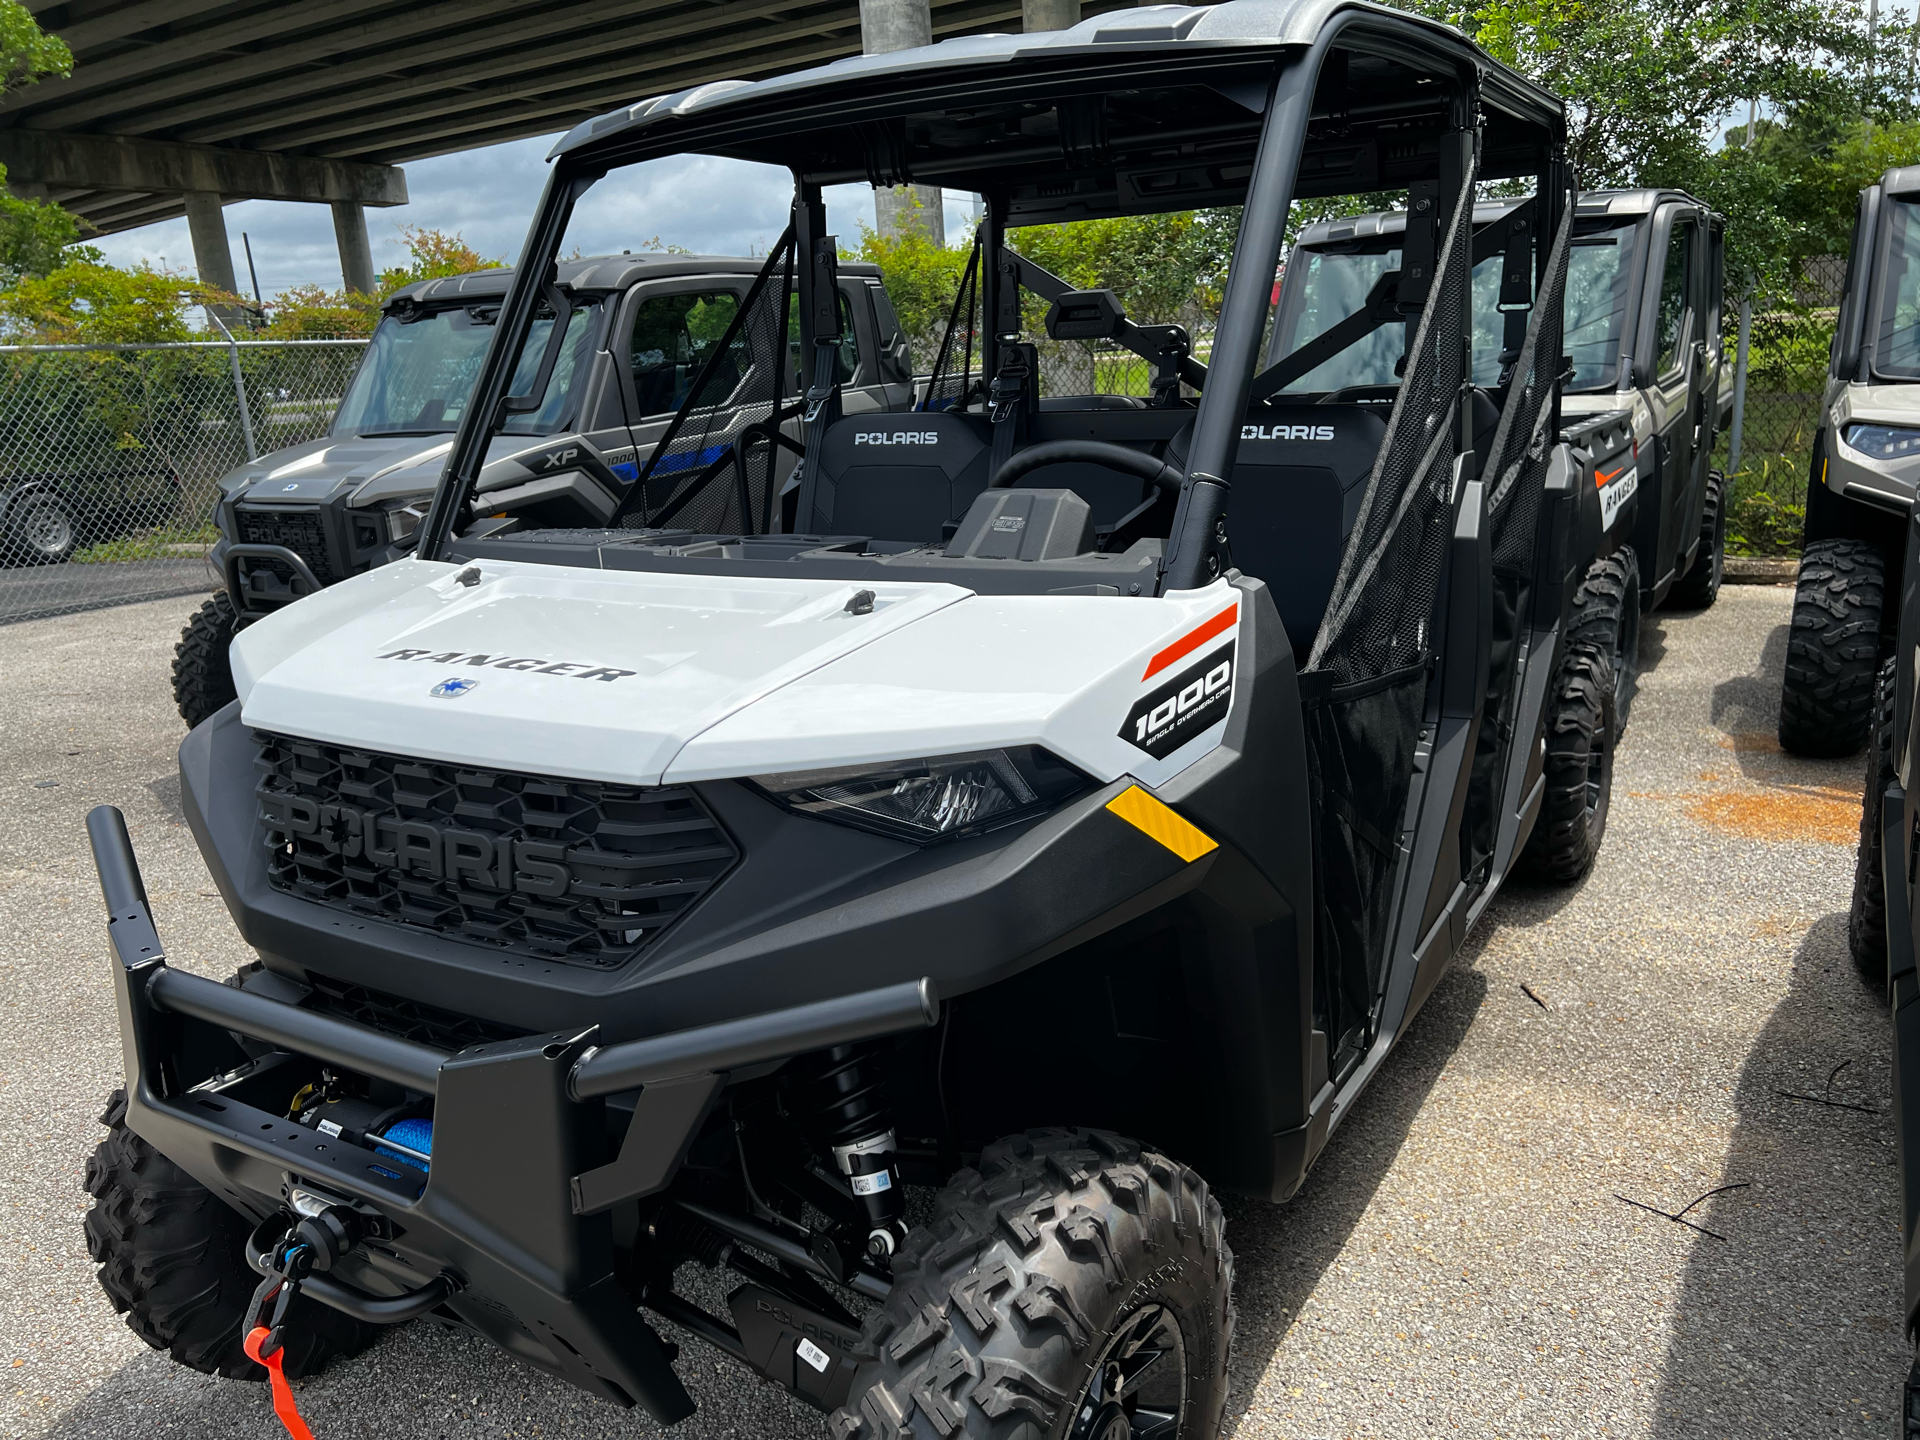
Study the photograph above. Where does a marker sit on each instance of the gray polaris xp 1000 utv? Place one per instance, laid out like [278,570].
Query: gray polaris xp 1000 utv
[1066,808]
[639,327]
[1642,337]
[1866,466]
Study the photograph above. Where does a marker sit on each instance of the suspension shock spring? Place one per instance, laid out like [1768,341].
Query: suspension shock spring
[855,1120]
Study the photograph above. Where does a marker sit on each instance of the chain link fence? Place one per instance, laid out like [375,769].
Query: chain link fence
[1785,342]
[110,457]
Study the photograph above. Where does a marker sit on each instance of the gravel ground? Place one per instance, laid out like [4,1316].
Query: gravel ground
[1461,1262]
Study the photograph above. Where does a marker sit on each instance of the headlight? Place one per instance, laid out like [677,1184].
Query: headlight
[934,799]
[1883,442]
[403,522]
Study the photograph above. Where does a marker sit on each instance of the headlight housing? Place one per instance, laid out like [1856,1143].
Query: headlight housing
[938,798]
[1883,442]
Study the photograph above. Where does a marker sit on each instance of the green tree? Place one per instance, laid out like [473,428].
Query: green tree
[28,53]
[36,236]
[83,302]
[312,311]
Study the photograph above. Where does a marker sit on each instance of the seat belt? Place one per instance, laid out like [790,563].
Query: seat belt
[1012,399]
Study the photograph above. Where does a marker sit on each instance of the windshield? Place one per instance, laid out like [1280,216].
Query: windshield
[1599,271]
[418,372]
[1897,349]
[1329,285]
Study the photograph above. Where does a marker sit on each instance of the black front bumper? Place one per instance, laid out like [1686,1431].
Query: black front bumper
[511,1225]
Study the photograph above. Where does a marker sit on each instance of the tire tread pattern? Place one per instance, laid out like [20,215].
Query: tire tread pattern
[1002,1301]
[1700,586]
[169,1257]
[202,673]
[1566,837]
[1833,650]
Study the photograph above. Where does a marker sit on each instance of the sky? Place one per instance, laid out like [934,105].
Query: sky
[712,206]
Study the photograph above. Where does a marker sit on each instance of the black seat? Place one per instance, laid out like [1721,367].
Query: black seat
[896,476]
[1298,479]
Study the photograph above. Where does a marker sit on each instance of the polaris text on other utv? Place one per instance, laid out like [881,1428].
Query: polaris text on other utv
[639,328]
[1866,464]
[1642,336]
[1063,770]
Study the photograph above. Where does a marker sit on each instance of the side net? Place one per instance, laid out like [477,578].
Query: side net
[718,467]
[1516,476]
[1366,677]
[957,372]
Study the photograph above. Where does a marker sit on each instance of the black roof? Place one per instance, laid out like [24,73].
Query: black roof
[599,273]
[966,112]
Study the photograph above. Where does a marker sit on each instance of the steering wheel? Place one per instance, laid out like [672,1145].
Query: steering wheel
[1089,452]
[1359,394]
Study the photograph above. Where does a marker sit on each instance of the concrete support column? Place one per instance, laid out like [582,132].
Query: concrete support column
[212,252]
[1048,15]
[356,251]
[886,26]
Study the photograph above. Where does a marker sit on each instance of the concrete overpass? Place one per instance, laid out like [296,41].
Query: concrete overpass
[181,106]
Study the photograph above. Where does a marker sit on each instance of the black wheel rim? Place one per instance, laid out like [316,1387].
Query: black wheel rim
[1138,1389]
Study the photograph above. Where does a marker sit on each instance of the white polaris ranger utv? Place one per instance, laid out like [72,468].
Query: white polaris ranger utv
[1068,807]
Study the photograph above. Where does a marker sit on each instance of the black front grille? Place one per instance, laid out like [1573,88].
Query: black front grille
[298,529]
[566,870]
[408,1019]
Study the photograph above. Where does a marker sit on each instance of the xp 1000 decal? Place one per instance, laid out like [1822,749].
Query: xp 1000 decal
[1171,714]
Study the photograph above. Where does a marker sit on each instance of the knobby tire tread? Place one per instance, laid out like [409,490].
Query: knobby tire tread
[1567,834]
[1002,1302]
[202,673]
[1833,650]
[170,1259]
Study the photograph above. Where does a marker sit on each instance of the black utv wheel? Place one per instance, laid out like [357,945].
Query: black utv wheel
[1579,771]
[1867,919]
[1606,620]
[202,674]
[170,1260]
[1074,1287]
[1700,586]
[1833,650]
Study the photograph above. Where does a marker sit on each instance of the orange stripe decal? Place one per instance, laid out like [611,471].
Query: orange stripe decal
[1600,477]
[1192,641]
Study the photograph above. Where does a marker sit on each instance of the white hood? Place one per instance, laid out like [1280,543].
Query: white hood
[643,677]
[590,674]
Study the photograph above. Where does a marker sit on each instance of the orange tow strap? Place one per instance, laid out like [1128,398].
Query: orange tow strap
[283,1405]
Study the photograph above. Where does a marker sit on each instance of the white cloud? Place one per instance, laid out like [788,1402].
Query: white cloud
[709,205]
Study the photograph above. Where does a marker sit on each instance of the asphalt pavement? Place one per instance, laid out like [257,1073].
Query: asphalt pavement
[30,592]
[1478,1253]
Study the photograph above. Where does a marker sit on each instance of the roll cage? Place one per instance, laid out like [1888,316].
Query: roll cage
[1126,114]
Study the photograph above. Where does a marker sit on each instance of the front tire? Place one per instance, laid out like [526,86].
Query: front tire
[1833,649]
[1579,771]
[202,673]
[1700,586]
[1073,1287]
[1867,917]
[1606,620]
[171,1261]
